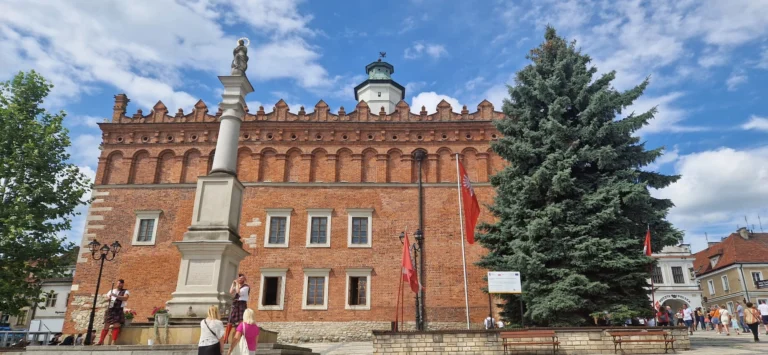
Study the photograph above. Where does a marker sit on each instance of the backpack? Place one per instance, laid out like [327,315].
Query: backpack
[749,316]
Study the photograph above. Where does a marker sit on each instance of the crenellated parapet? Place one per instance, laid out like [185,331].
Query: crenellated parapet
[322,113]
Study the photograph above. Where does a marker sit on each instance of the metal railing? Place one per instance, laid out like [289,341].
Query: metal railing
[13,338]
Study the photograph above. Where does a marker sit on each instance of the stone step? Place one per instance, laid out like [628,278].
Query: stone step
[263,349]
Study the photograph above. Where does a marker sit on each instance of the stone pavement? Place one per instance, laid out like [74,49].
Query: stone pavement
[702,343]
[711,343]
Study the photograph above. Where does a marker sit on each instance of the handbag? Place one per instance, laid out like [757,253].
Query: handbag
[242,345]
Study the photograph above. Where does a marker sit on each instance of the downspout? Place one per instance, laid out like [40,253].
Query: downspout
[744,282]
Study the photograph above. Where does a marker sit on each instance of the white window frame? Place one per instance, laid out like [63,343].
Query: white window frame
[711,285]
[713,261]
[724,280]
[51,300]
[146,215]
[682,274]
[319,212]
[359,272]
[730,307]
[315,273]
[363,213]
[278,212]
[273,272]
[752,273]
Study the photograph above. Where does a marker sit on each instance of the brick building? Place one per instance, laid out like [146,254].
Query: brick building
[326,196]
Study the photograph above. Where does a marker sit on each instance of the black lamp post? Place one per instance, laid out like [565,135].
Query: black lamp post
[103,254]
[415,247]
[420,155]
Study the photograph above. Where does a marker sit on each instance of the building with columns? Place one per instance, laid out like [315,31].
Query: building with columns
[324,196]
[673,278]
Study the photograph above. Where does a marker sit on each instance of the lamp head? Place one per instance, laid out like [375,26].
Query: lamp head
[419,235]
[93,246]
[402,236]
[116,247]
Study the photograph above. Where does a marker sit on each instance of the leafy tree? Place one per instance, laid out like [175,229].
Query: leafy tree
[39,191]
[573,205]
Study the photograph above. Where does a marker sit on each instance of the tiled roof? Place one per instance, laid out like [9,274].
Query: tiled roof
[732,250]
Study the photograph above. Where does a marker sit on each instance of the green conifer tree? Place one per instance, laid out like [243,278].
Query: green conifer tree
[573,204]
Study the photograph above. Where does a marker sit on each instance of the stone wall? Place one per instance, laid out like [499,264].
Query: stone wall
[311,332]
[572,341]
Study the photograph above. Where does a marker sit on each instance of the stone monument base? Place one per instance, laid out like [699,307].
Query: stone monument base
[177,334]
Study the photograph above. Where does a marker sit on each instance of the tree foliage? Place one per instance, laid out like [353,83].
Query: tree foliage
[573,205]
[39,191]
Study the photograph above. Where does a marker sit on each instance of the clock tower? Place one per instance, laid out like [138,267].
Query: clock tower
[379,90]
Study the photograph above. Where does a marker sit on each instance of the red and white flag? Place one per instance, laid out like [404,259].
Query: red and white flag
[409,273]
[471,207]
[647,244]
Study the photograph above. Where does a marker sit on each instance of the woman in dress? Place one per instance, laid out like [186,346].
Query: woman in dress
[247,331]
[211,333]
[725,319]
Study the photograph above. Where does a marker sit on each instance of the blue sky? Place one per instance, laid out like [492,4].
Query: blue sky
[708,63]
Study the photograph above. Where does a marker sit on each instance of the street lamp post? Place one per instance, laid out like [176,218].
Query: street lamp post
[415,247]
[419,155]
[104,251]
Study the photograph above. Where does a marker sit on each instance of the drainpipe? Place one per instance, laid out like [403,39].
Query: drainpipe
[744,282]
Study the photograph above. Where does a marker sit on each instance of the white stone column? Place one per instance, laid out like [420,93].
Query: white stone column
[233,111]
[211,249]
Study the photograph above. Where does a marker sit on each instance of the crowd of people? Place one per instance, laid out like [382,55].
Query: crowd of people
[717,318]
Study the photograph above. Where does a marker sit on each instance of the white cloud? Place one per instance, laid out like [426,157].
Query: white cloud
[668,117]
[408,24]
[717,189]
[87,44]
[85,121]
[84,150]
[414,86]
[430,100]
[756,123]
[419,49]
[470,85]
[763,62]
[737,78]
[496,95]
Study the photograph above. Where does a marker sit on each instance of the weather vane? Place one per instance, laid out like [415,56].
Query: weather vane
[382,55]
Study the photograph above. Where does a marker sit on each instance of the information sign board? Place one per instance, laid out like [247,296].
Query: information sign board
[504,282]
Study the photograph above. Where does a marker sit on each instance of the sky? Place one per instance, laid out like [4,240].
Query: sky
[707,62]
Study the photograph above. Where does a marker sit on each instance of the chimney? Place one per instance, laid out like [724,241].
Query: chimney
[744,233]
[118,111]
[711,244]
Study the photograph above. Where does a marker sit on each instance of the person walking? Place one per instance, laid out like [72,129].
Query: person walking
[752,318]
[211,334]
[763,308]
[247,331]
[663,317]
[700,318]
[688,318]
[740,313]
[725,319]
[715,318]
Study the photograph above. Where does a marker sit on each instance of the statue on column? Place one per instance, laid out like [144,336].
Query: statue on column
[240,63]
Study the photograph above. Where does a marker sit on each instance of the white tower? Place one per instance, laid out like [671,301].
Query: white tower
[380,90]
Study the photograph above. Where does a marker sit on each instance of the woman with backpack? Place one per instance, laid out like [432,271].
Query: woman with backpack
[752,318]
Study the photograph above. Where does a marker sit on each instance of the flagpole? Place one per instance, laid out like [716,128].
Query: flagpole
[461,227]
[653,287]
[397,304]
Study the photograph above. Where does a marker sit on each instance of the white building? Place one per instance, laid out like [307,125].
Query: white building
[673,279]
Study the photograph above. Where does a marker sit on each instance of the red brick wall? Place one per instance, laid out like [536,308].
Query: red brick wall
[140,169]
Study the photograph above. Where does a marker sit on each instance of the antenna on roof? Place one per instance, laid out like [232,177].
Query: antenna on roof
[747,222]
[761,223]
[707,237]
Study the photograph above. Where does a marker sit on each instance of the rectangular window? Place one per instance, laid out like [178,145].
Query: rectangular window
[711,285]
[22,319]
[725,284]
[50,301]
[677,275]
[357,291]
[756,276]
[315,296]
[271,296]
[277,230]
[657,277]
[146,230]
[730,306]
[315,291]
[359,230]
[319,230]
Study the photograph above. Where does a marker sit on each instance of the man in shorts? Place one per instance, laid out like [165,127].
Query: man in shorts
[763,308]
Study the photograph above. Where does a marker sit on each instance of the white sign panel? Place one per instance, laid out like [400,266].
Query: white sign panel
[504,282]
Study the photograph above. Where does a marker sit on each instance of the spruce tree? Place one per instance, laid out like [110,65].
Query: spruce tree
[573,205]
